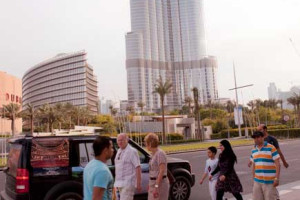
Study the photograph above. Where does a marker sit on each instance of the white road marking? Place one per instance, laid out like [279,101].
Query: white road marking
[296,187]
[282,192]
[291,160]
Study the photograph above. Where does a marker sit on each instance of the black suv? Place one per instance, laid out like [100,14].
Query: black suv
[51,168]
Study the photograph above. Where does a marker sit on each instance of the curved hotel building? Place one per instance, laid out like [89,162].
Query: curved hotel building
[167,39]
[64,78]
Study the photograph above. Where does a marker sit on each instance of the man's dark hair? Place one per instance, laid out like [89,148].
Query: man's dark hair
[213,149]
[100,143]
[265,127]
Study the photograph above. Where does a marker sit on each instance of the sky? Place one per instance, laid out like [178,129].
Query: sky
[253,34]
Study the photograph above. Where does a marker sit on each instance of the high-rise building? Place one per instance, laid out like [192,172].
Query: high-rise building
[167,39]
[272,91]
[64,78]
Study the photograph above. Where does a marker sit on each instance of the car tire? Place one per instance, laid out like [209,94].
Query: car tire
[69,190]
[180,189]
[70,196]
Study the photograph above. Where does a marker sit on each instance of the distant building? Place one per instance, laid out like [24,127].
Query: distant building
[10,92]
[64,78]
[123,105]
[106,104]
[272,91]
[275,93]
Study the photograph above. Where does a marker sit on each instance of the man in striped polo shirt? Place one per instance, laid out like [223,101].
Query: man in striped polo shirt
[266,168]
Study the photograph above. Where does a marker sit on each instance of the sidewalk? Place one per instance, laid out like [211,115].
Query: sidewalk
[290,191]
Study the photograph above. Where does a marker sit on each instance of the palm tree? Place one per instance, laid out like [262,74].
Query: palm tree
[197,111]
[42,115]
[251,104]
[30,112]
[60,113]
[162,89]
[77,114]
[131,110]
[12,112]
[280,102]
[68,112]
[229,106]
[49,114]
[293,101]
[189,101]
[87,115]
[141,105]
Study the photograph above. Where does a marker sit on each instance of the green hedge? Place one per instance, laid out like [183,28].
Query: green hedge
[278,133]
[286,133]
[170,136]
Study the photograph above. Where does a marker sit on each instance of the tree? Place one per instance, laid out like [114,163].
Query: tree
[106,122]
[60,113]
[188,101]
[12,112]
[42,116]
[131,110]
[141,105]
[197,111]
[162,89]
[68,112]
[29,113]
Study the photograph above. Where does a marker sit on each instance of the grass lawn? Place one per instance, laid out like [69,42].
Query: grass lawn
[4,162]
[202,145]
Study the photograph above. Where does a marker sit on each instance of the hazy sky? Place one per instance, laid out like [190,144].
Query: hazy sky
[253,33]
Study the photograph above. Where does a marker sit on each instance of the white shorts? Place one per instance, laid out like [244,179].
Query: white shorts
[125,193]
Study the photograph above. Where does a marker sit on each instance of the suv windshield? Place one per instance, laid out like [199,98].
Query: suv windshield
[13,158]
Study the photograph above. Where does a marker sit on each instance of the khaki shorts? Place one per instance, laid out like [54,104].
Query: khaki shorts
[264,191]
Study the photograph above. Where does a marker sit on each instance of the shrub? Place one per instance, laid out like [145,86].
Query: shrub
[278,133]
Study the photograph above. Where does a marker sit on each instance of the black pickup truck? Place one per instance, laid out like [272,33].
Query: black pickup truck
[51,168]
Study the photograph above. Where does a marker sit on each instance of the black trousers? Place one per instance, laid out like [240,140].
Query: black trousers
[220,195]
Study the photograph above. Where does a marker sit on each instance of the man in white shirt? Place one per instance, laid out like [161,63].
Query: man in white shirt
[128,169]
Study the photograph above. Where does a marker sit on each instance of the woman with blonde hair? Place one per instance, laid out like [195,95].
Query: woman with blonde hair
[158,180]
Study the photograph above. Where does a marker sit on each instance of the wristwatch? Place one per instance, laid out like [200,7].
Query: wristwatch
[156,185]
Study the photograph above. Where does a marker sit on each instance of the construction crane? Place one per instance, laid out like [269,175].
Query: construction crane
[295,48]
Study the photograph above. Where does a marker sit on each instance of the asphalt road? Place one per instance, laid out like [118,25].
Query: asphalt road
[290,150]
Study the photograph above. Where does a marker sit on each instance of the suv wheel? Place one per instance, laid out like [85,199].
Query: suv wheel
[70,196]
[180,189]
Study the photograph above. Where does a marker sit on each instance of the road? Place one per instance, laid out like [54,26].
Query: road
[290,149]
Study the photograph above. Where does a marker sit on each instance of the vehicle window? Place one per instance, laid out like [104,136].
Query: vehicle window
[83,155]
[141,155]
[91,153]
[13,159]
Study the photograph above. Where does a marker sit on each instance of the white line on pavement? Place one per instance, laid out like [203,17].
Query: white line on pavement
[282,192]
[296,187]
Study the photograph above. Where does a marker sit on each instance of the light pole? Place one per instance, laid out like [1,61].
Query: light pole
[237,100]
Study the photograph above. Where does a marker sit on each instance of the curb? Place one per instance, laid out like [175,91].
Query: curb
[196,150]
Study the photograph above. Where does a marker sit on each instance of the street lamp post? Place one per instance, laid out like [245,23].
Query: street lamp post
[237,100]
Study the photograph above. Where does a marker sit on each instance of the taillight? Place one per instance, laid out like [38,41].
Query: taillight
[22,181]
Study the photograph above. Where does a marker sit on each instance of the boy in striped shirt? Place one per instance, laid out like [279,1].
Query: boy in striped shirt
[266,168]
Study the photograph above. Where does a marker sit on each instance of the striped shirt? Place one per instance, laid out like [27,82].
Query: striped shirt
[265,169]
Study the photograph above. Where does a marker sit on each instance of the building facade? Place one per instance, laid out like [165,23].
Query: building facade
[64,78]
[167,39]
[272,91]
[10,92]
